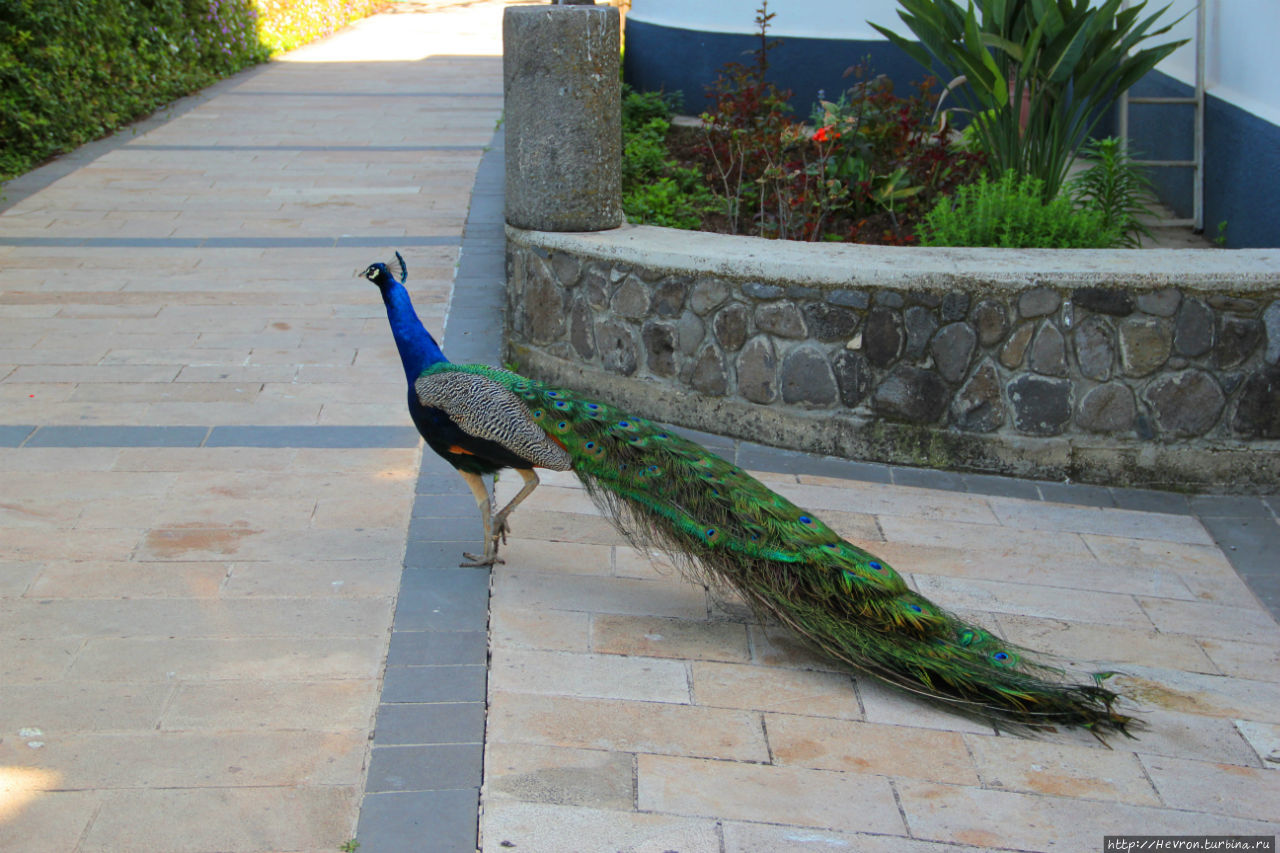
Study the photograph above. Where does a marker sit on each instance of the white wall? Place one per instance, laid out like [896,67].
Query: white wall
[839,19]
[1242,62]
[1243,59]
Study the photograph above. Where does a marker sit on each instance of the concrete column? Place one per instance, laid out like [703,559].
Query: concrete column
[563,117]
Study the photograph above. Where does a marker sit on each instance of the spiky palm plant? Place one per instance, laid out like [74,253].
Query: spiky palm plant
[1038,74]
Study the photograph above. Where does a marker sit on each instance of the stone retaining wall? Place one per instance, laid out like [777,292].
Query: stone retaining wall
[1152,367]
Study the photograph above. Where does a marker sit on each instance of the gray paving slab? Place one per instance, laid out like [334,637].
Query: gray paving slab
[313,436]
[431,767]
[437,648]
[421,723]
[118,436]
[459,684]
[13,435]
[425,821]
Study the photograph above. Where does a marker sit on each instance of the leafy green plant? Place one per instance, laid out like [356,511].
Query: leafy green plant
[892,154]
[74,70]
[656,190]
[1038,74]
[1010,214]
[1117,187]
[746,131]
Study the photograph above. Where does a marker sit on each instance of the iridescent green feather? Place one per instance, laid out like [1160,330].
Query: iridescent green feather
[731,530]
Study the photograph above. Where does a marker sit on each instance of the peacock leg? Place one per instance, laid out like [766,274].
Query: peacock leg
[481,492]
[500,520]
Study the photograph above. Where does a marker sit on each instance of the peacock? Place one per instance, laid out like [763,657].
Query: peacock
[726,529]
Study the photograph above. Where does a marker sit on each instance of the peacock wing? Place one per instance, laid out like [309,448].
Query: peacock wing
[484,408]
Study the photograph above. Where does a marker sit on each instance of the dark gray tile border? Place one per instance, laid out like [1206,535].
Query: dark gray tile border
[419,684]
[432,767]
[438,648]
[435,686]
[320,149]
[118,436]
[419,724]
[438,821]
[372,241]
[13,435]
[317,436]
[313,436]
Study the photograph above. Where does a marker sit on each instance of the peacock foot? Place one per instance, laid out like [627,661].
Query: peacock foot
[480,562]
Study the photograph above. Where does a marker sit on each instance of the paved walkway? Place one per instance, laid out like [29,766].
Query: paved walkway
[229,611]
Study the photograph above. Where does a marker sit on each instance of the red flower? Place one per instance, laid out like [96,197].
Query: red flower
[825,134]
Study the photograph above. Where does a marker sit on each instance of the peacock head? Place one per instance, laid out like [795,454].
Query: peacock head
[381,275]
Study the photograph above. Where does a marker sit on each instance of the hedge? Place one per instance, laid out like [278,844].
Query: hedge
[74,70]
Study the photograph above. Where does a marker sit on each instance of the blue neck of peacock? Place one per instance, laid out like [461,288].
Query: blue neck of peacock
[418,350]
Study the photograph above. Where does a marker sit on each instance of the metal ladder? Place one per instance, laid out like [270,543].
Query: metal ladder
[1196,164]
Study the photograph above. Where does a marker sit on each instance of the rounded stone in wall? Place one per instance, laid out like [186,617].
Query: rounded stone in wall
[977,406]
[631,300]
[952,348]
[1193,329]
[991,321]
[731,325]
[1145,344]
[544,304]
[1015,348]
[782,319]
[1095,352]
[1271,322]
[1238,337]
[1038,302]
[660,339]
[853,376]
[1184,404]
[1107,408]
[882,336]
[709,375]
[911,394]
[1041,405]
[668,297]
[758,371]
[920,324]
[806,378]
[1258,410]
[691,331]
[617,345]
[582,333]
[708,294]
[828,323]
[1048,352]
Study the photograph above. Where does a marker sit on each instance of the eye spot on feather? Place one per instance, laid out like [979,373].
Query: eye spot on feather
[915,608]
[1002,659]
[595,407]
[537,416]
[806,520]
[553,393]
[562,425]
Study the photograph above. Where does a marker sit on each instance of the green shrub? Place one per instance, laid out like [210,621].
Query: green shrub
[74,70]
[1009,214]
[1117,187]
[655,189]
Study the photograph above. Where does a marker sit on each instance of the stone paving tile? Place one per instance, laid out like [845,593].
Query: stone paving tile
[737,790]
[550,828]
[1102,594]
[227,819]
[987,818]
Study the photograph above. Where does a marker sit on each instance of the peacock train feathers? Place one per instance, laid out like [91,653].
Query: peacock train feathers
[728,529]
